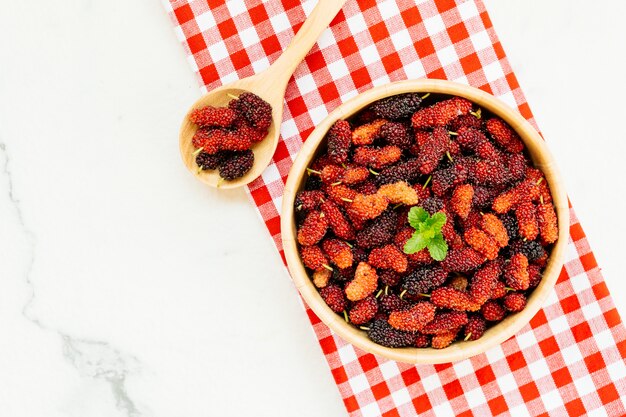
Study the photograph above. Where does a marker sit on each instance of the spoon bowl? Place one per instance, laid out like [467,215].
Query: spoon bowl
[263,151]
[270,85]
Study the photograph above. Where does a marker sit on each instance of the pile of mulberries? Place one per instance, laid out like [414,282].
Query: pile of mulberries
[445,155]
[226,134]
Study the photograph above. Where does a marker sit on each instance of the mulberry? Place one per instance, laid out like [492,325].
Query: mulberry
[494,228]
[441,113]
[503,134]
[364,310]
[423,280]
[462,260]
[483,282]
[313,257]
[377,232]
[208,161]
[413,319]
[337,222]
[396,134]
[309,200]
[339,252]
[367,133]
[447,297]
[254,109]
[399,192]
[339,141]
[382,333]
[514,302]
[236,165]
[213,117]
[516,272]
[548,228]
[475,328]
[368,206]
[444,179]
[461,202]
[446,322]
[442,341]
[313,229]
[397,107]
[482,243]
[334,298]
[492,311]
[526,215]
[391,302]
[388,257]
[407,171]
[321,277]
[364,283]
[376,158]
[433,150]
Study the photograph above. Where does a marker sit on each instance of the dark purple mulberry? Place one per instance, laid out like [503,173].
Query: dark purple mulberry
[254,109]
[236,165]
[339,141]
[423,279]
[382,333]
[397,107]
[392,302]
[209,161]
[431,204]
[404,171]
[397,134]
[444,179]
[379,231]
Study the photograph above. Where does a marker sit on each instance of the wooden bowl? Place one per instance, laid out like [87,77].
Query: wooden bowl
[459,350]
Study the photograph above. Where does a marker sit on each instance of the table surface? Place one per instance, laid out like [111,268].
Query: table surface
[130,289]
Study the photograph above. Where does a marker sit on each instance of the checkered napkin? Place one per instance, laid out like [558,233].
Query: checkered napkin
[570,359]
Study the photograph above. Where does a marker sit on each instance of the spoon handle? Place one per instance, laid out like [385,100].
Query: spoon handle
[319,19]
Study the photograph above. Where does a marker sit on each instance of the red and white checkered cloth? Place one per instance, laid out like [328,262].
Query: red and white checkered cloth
[570,359]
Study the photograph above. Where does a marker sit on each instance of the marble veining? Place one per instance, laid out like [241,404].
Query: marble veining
[95,359]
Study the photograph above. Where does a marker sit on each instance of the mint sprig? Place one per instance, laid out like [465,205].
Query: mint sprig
[427,233]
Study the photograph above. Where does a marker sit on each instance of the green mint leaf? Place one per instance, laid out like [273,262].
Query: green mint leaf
[438,220]
[438,248]
[416,243]
[417,216]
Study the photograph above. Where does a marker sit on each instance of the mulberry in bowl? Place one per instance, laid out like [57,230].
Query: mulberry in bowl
[424,221]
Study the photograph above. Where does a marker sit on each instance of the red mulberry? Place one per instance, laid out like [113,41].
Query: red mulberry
[213,117]
[503,134]
[364,283]
[526,215]
[548,228]
[334,297]
[461,202]
[338,223]
[446,322]
[483,282]
[414,319]
[396,134]
[376,158]
[462,260]
[388,257]
[313,257]
[514,302]
[492,311]
[516,272]
[475,328]
[441,113]
[447,297]
[433,150]
[367,133]
[339,252]
[313,229]
[364,310]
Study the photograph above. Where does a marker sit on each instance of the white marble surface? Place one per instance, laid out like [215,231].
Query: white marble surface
[124,288]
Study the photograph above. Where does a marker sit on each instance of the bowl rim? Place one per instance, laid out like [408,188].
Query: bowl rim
[497,334]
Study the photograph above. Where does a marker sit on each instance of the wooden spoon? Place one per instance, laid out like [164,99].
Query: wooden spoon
[270,85]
